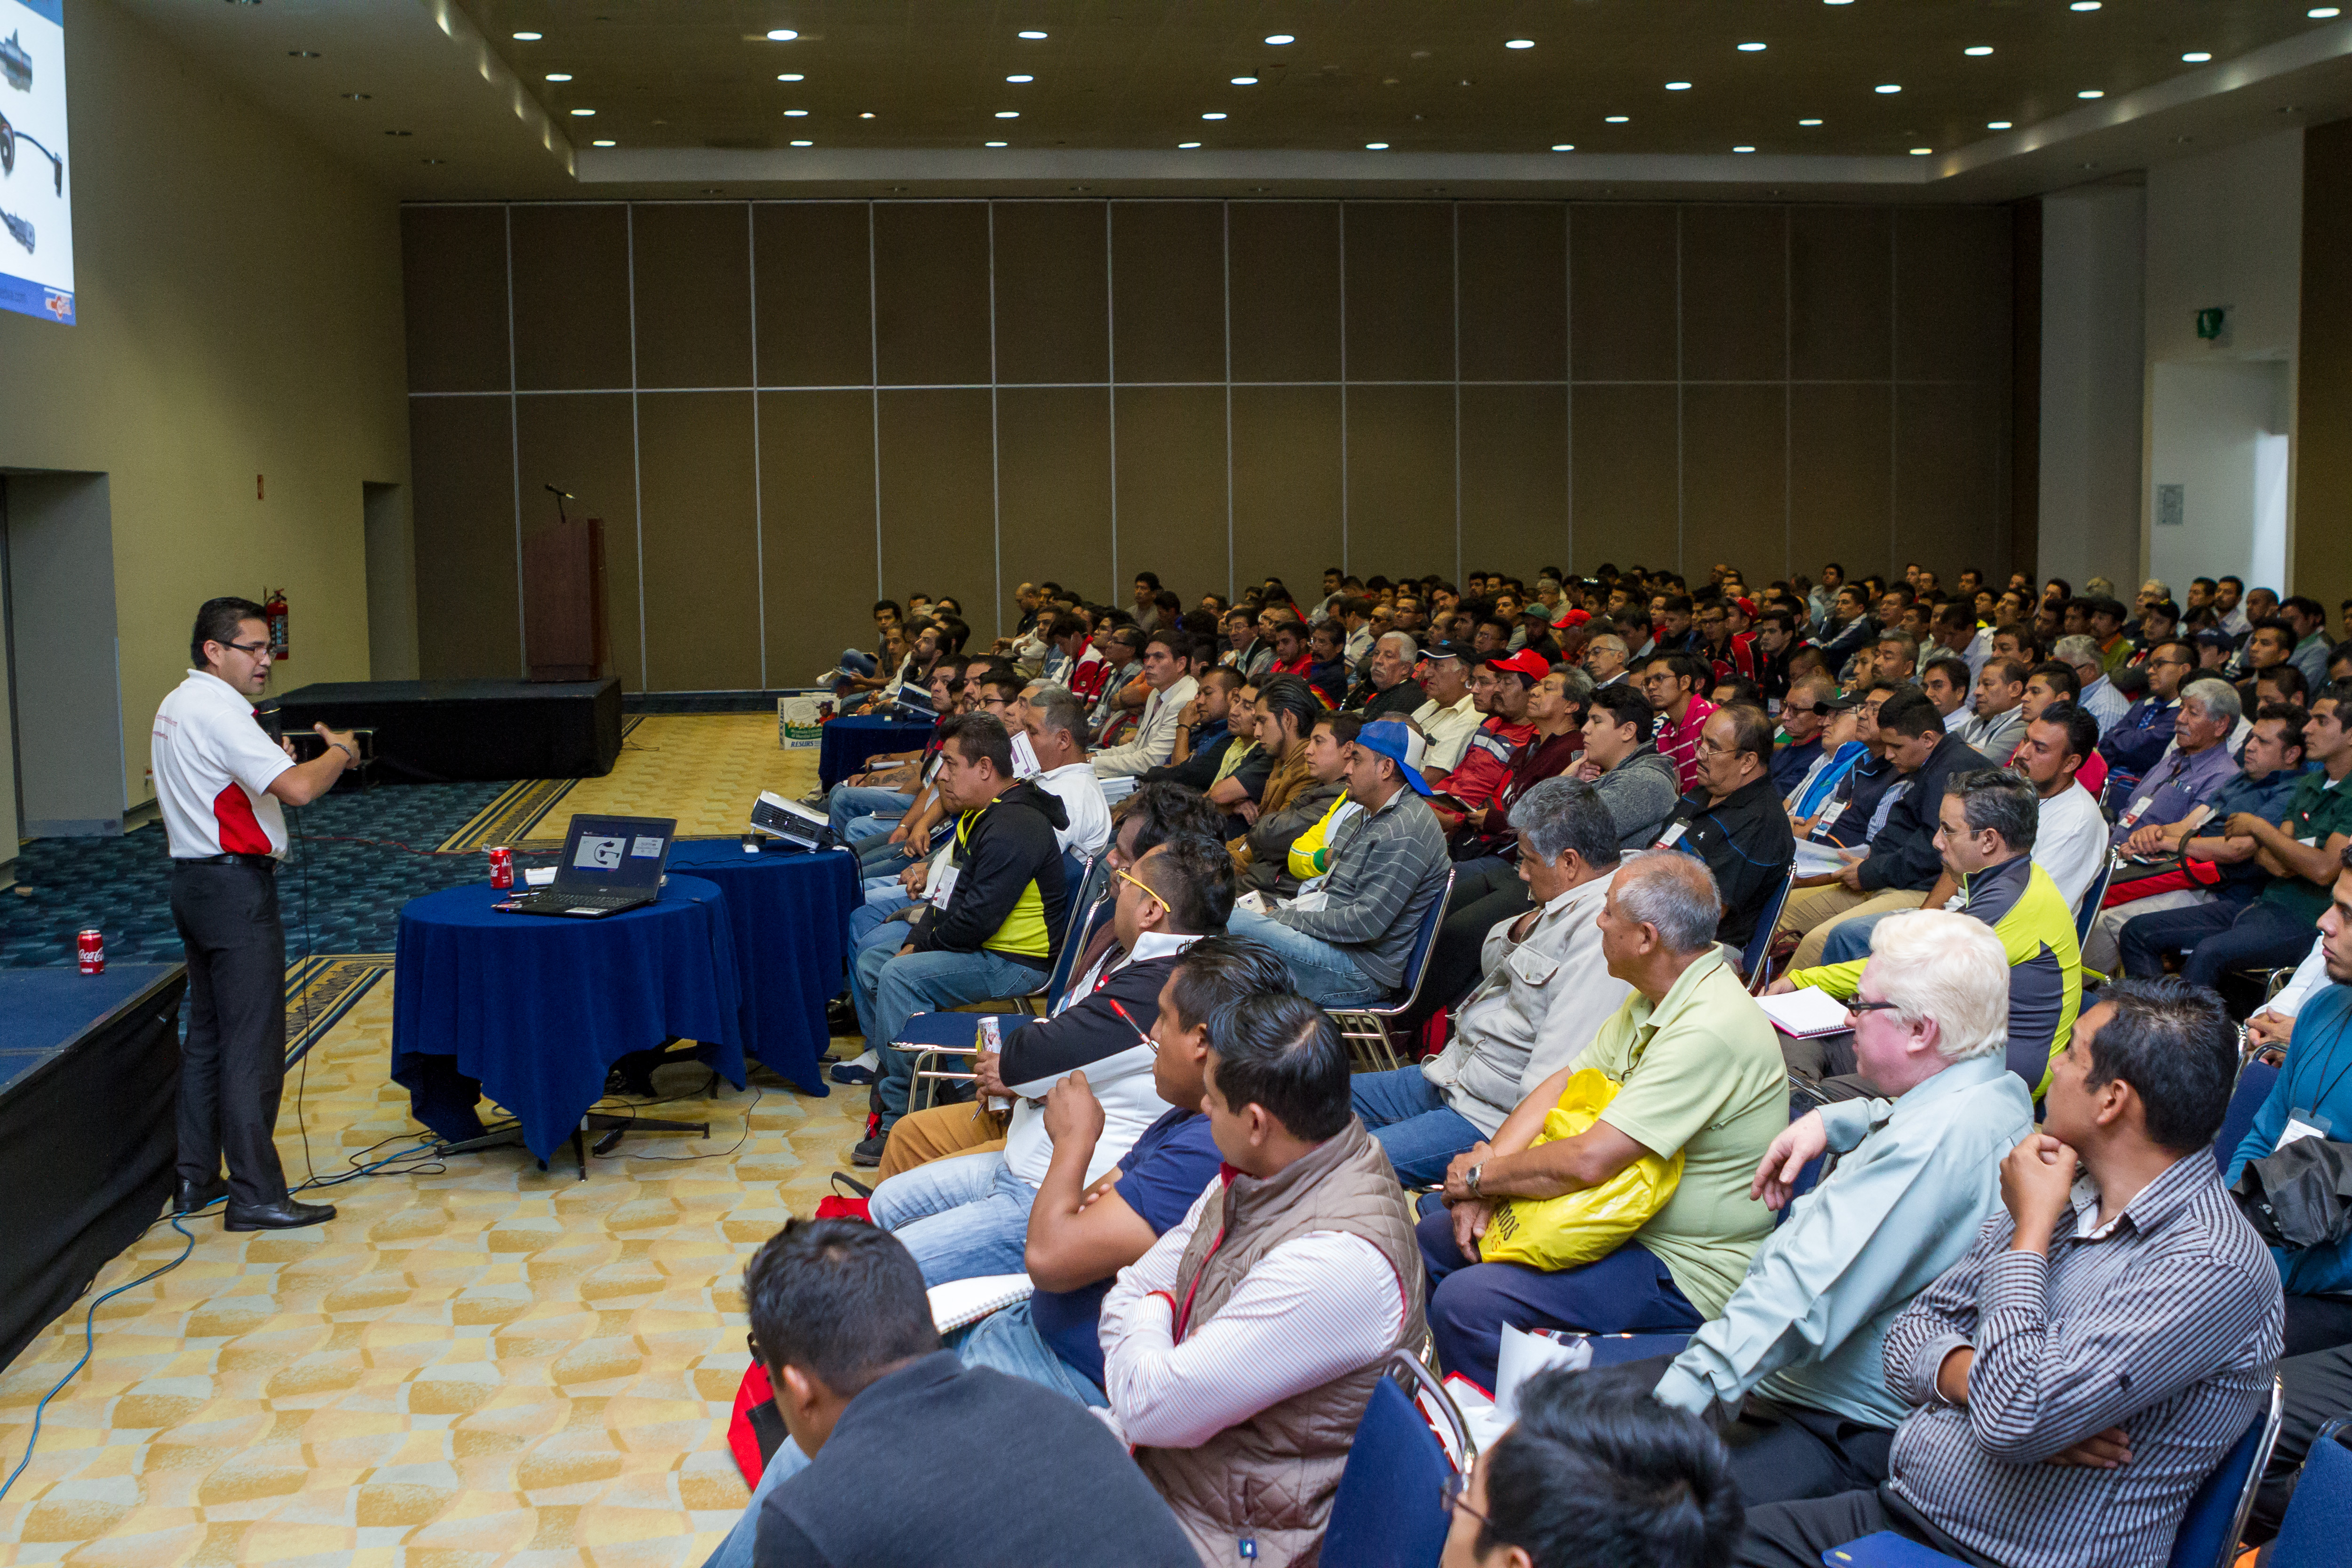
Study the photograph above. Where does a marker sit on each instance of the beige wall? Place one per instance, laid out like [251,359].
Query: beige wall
[780,407]
[239,313]
[2320,545]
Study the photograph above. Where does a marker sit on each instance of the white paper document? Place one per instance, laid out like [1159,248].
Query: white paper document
[1805,1011]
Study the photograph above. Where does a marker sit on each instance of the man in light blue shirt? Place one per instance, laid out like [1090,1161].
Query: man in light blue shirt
[1916,1175]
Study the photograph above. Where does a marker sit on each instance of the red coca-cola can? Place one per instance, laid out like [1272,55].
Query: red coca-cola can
[502,867]
[93,951]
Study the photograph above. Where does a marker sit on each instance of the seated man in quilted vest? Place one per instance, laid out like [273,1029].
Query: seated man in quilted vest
[1694,1092]
[1241,1350]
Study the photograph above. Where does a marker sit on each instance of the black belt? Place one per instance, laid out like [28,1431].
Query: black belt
[258,862]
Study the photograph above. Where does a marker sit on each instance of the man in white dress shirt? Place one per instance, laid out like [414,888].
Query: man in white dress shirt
[1168,670]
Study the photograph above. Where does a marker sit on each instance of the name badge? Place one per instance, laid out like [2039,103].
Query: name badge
[1672,835]
[2301,1124]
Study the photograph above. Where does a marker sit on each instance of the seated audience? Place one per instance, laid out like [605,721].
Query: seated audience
[1555,707]
[1800,744]
[1634,781]
[2000,719]
[2192,770]
[1698,1073]
[2133,743]
[1168,670]
[1308,778]
[1988,821]
[967,1215]
[1085,1228]
[1240,1352]
[840,1321]
[1605,660]
[1590,1473]
[2300,850]
[2070,841]
[1546,990]
[2110,1334]
[1347,940]
[1388,689]
[1836,751]
[1674,683]
[1795,1358]
[2310,1096]
[1451,715]
[1733,821]
[1499,690]
[997,931]
[2094,691]
[1858,803]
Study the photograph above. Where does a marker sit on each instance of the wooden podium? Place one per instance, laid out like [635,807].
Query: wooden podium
[563,601]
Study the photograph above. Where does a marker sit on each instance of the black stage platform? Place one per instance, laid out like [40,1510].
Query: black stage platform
[435,731]
[90,1075]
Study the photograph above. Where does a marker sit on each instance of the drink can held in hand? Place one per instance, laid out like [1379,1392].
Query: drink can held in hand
[502,867]
[92,946]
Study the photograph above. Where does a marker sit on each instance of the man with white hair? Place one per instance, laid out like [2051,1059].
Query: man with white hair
[2097,696]
[1605,660]
[1698,1073]
[1388,689]
[1917,1174]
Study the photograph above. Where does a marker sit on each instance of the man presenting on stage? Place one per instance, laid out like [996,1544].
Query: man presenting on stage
[219,779]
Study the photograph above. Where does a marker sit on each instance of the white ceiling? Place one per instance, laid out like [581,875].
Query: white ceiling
[474,129]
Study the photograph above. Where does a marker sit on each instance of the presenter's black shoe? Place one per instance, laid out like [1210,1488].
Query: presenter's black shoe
[195,1196]
[283,1214]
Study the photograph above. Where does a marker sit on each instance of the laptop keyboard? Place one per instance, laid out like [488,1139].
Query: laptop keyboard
[550,899]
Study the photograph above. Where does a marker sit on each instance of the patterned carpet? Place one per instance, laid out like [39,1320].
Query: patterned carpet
[481,1364]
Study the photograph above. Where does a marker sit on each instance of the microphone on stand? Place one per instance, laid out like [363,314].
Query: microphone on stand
[561,495]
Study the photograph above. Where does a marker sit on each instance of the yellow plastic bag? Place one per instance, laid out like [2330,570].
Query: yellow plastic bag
[1584,1227]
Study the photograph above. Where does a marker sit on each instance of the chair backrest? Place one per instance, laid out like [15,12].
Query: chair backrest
[1808,1176]
[2093,897]
[1424,942]
[1751,961]
[1388,1513]
[1084,878]
[2216,1513]
[2254,1081]
[2318,1520]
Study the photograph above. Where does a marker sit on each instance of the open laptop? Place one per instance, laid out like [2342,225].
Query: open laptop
[610,864]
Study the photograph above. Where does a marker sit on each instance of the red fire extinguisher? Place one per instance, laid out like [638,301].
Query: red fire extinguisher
[274,609]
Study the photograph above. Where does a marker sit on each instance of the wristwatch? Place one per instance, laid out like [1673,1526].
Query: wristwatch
[1471,1180]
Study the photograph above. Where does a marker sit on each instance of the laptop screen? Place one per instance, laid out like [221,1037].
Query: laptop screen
[615,852]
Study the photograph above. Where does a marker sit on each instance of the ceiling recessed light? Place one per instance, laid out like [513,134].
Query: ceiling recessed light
[1518,43]
[1563,146]
[1021,79]
[1616,119]
[2090,92]
[867,115]
[528,37]
[1751,48]
[991,143]
[1245,81]
[796,114]
[1808,123]
[358,97]
[1376,146]
[388,132]
[791,76]
[444,160]
[781,34]
[1837,2]
[1214,114]
[803,144]
[1743,149]
[1921,152]
[1025,33]
[1187,146]
[2196,56]
[2322,13]
[581,113]
[1677,87]
[302,54]
[559,76]
[1888,86]
[2084,5]
[604,144]
[1977,51]
[1996,124]
[1008,114]
[1278,40]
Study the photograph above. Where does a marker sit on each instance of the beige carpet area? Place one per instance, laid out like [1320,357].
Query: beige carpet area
[485,1364]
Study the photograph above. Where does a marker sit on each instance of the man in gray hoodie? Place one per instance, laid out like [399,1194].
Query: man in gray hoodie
[1637,783]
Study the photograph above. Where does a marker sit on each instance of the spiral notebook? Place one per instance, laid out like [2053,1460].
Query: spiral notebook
[1805,1013]
[962,1301]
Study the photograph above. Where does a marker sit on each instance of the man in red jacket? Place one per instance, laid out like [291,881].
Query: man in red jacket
[1499,689]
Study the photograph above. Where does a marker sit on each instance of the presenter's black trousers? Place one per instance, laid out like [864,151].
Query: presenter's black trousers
[233,1067]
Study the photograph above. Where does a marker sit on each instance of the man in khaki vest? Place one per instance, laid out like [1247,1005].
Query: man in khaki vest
[1240,1350]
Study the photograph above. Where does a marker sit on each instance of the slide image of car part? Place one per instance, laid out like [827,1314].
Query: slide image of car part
[18,229]
[15,65]
[10,136]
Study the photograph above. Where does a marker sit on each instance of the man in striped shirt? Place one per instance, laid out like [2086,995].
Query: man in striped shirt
[2111,1334]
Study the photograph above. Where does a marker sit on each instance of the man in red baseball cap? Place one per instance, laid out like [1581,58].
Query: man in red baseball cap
[1500,689]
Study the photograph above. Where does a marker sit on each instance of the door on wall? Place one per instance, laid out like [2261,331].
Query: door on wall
[390,581]
[2217,471]
[64,663]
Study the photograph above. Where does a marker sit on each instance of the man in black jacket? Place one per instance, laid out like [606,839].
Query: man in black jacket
[966,1216]
[990,922]
[876,1409]
[1734,820]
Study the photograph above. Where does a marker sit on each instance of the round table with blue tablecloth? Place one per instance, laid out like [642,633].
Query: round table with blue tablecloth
[534,1009]
[844,744]
[789,910]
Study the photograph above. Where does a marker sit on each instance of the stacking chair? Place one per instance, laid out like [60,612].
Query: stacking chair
[1752,962]
[2094,896]
[1391,1510]
[2319,1519]
[1366,1028]
[2254,1081]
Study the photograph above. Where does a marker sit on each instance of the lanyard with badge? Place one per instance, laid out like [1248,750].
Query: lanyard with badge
[942,884]
[2307,1121]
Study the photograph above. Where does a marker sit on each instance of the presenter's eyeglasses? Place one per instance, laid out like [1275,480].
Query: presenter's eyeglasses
[251,649]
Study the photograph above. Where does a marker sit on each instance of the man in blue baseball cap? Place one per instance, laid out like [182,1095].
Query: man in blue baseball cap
[1347,943]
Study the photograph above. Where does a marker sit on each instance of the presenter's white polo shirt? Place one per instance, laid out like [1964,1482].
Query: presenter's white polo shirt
[213,766]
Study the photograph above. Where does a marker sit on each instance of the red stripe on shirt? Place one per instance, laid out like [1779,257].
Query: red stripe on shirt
[239,830]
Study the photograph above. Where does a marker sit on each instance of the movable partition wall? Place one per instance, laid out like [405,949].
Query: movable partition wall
[780,408]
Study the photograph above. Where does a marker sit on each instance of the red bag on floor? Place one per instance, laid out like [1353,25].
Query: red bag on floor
[844,1208]
[756,1430]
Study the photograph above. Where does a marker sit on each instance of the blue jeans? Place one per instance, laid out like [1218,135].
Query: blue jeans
[1410,1120]
[863,833]
[962,1217]
[881,938]
[891,988]
[849,802]
[1008,1342]
[735,1552]
[1627,1292]
[1849,940]
[1324,973]
[2214,939]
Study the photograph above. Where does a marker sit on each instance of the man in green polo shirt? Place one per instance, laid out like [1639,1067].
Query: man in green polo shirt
[2303,854]
[1698,1072]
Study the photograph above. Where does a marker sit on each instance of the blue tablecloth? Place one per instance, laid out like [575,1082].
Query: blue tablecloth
[791,915]
[534,1009]
[845,743]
